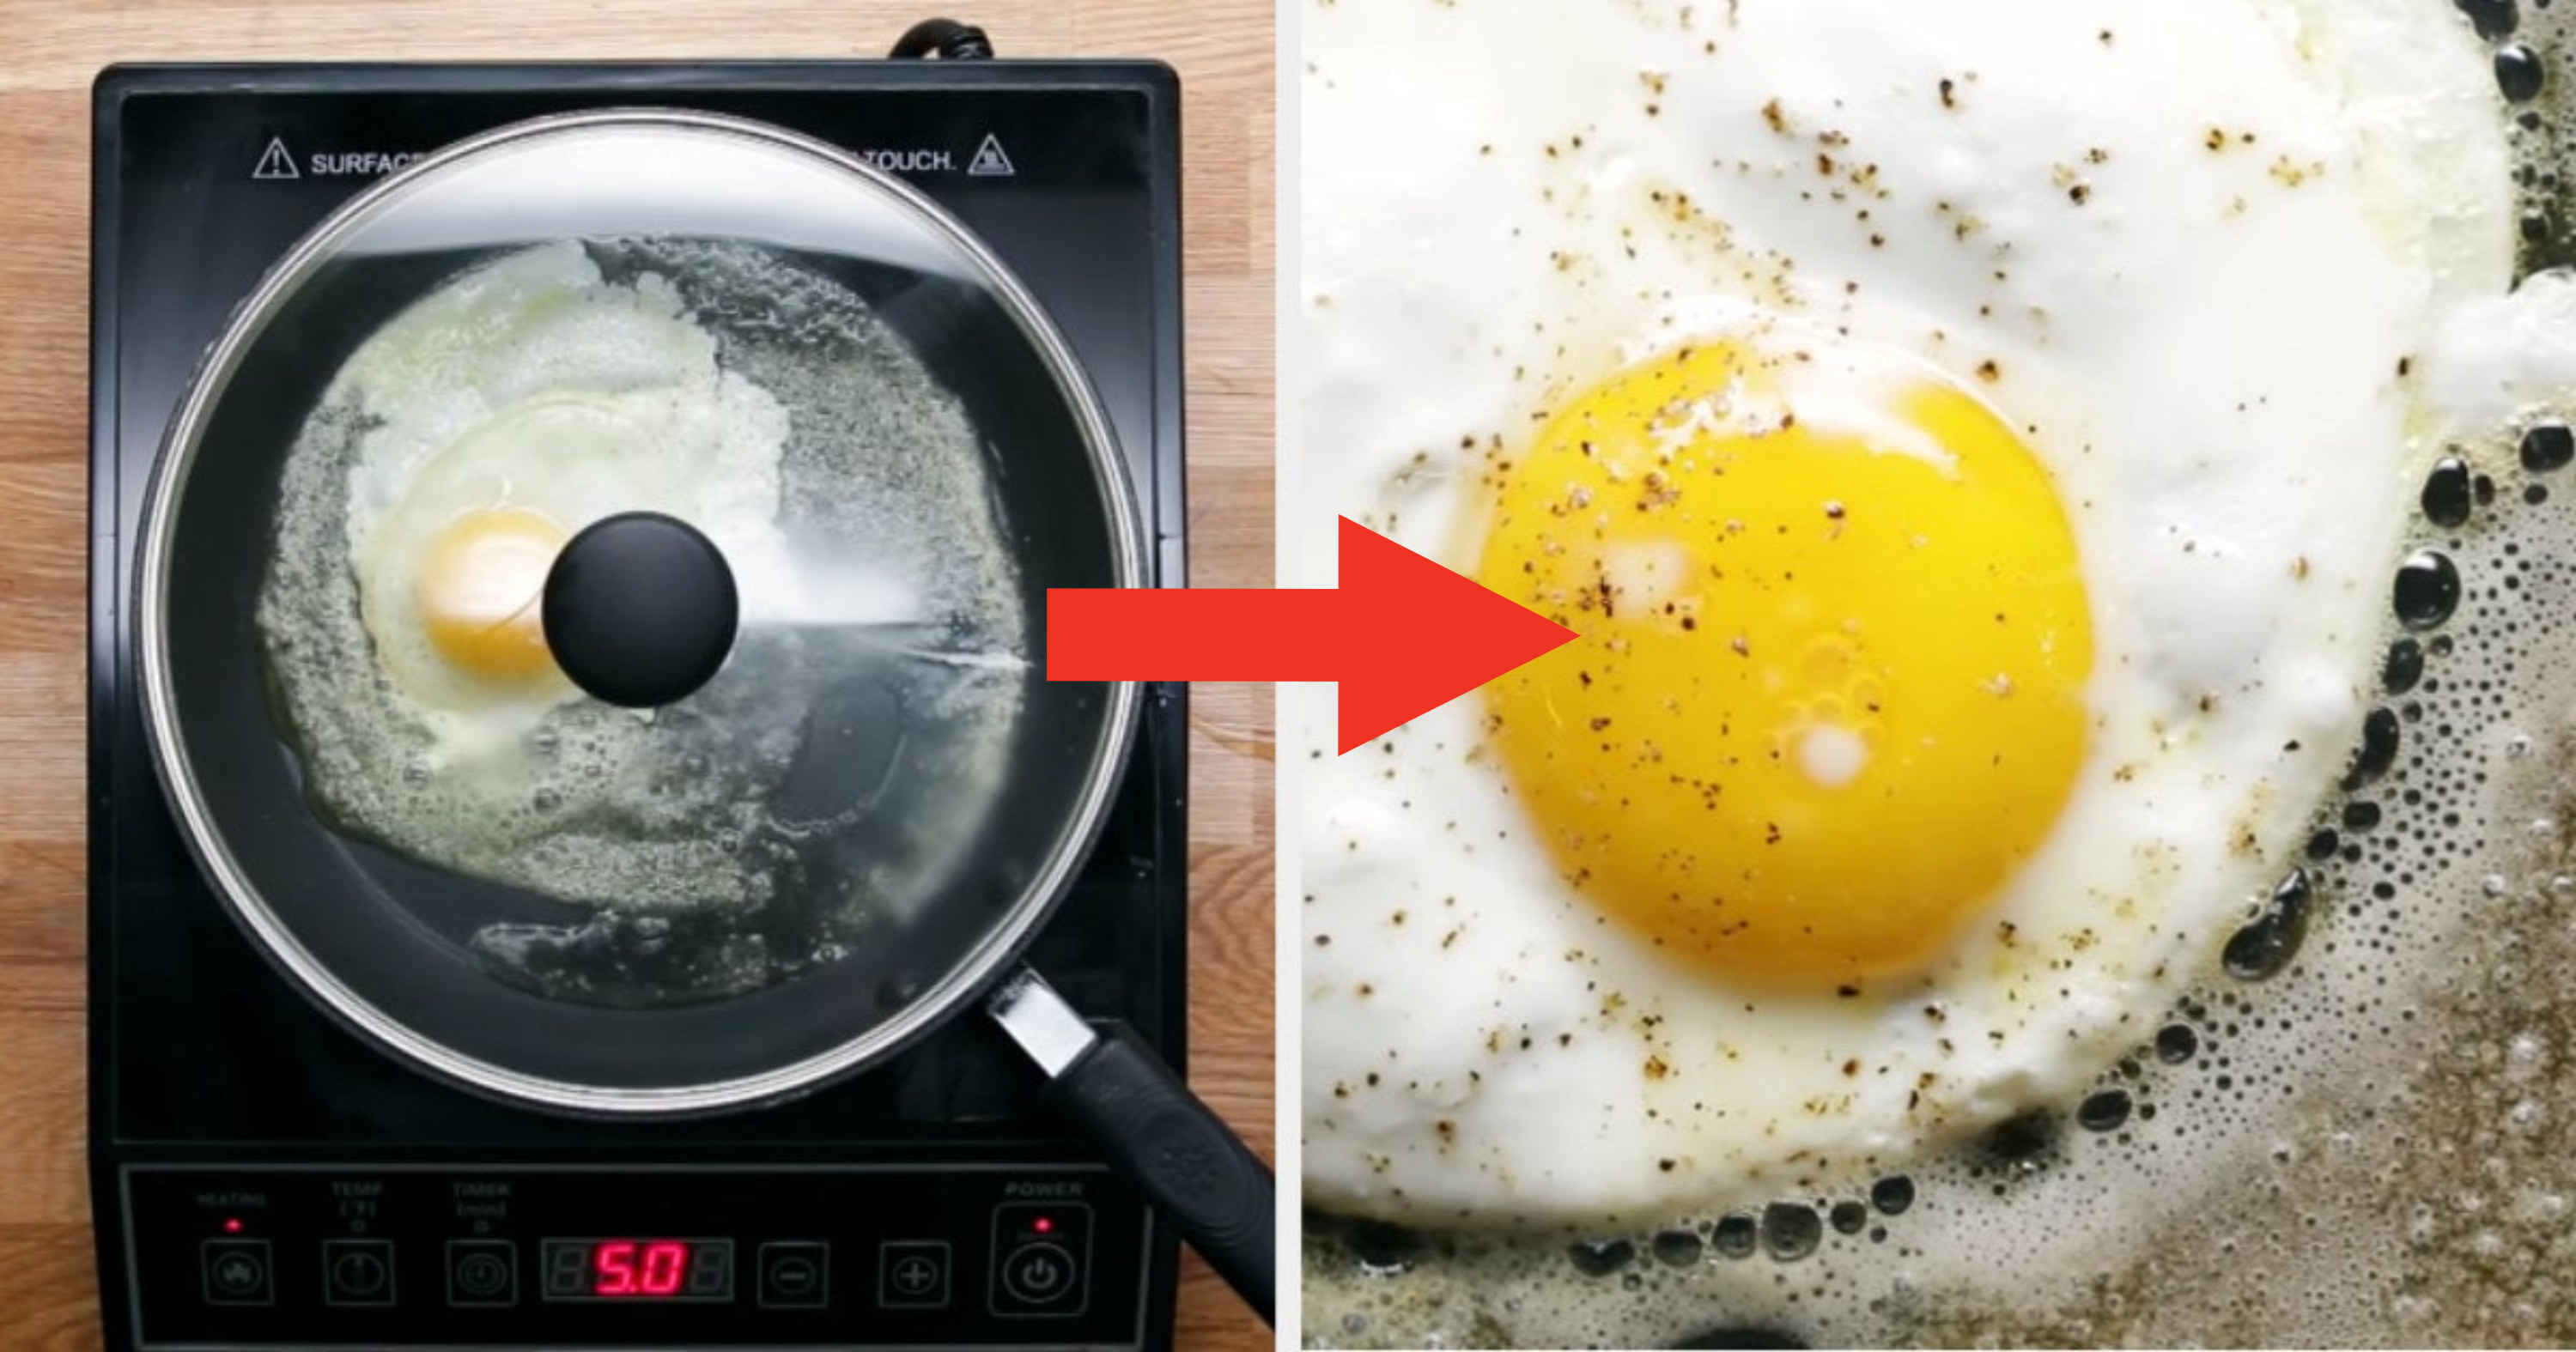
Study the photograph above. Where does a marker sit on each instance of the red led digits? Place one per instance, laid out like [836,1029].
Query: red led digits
[614,1265]
[628,1267]
[664,1264]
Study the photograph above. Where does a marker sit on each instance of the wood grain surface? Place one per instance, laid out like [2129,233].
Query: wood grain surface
[48,53]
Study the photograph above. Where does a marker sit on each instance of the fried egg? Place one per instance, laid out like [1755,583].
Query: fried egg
[752,830]
[1972,442]
[582,401]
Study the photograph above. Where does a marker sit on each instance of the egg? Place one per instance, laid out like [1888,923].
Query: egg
[429,492]
[478,593]
[595,400]
[1972,442]
[1832,690]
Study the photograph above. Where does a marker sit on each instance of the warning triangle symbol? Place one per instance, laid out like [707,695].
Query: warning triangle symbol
[275,162]
[989,160]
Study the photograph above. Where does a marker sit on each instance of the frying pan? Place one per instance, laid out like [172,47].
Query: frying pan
[637,1019]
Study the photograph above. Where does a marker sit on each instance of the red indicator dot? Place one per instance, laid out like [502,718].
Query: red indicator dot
[232,1225]
[1044,1225]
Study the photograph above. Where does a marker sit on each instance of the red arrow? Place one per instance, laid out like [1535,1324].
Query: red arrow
[1402,635]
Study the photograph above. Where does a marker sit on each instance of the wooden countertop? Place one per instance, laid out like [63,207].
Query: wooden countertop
[1224,52]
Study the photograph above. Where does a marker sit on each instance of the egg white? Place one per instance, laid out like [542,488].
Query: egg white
[532,384]
[2200,249]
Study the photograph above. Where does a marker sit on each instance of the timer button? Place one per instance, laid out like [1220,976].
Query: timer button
[912,1274]
[357,1272]
[482,1273]
[237,1272]
[795,1275]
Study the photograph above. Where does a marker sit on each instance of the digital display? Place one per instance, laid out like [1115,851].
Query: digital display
[639,1269]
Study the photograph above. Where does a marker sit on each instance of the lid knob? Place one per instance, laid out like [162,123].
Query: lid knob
[640,609]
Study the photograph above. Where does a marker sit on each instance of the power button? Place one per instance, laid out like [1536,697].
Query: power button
[1041,1259]
[1039,1274]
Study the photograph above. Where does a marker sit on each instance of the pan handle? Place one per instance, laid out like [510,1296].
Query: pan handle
[1198,1173]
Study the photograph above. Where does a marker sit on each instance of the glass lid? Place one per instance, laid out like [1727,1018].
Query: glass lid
[603,569]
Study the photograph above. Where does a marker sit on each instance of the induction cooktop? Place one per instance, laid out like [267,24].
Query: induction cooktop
[260,1177]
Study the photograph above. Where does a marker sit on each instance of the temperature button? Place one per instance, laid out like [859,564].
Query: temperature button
[1041,1259]
[237,1272]
[358,1272]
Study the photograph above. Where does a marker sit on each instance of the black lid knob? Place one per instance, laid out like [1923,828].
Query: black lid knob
[640,609]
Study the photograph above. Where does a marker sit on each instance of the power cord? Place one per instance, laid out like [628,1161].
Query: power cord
[946,39]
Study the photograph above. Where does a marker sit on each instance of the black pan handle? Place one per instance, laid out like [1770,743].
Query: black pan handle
[1199,1175]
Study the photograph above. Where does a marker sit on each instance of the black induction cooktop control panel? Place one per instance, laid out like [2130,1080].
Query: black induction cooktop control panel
[370,1256]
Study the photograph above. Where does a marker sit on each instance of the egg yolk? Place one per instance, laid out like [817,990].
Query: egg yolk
[480,592]
[1830,687]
